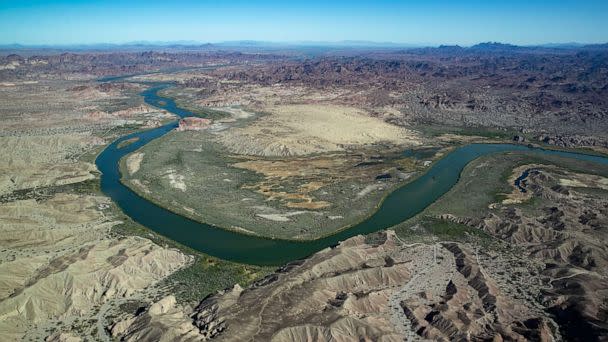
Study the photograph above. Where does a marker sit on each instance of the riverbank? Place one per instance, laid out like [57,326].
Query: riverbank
[301,199]
[399,205]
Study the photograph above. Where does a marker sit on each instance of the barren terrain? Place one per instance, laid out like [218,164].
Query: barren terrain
[362,290]
[289,197]
[300,145]
[507,276]
[307,129]
[69,259]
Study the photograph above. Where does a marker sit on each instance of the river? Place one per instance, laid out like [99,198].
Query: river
[398,206]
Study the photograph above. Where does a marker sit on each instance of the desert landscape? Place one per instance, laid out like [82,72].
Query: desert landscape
[70,259]
[508,274]
[312,191]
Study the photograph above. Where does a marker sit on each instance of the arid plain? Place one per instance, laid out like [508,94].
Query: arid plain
[298,149]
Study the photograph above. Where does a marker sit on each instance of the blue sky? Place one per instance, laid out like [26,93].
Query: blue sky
[430,22]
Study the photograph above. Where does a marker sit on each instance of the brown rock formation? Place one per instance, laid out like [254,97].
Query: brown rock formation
[385,291]
[193,124]
[570,236]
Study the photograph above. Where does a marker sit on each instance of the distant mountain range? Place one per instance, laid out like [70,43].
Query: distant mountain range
[194,45]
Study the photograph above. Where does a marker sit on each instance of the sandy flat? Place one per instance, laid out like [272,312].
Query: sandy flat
[585,181]
[290,130]
[134,162]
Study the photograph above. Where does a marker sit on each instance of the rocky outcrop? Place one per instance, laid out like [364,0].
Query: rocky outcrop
[360,291]
[573,141]
[58,262]
[569,236]
[567,231]
[163,321]
[472,307]
[117,62]
[193,124]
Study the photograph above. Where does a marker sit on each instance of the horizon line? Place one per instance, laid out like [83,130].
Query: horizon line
[310,43]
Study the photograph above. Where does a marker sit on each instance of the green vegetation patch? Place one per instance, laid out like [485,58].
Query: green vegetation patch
[127,142]
[429,229]
[191,174]
[482,182]
[449,230]
[185,98]
[486,132]
[205,276]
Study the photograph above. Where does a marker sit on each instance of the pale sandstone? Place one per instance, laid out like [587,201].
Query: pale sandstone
[44,160]
[59,262]
[354,292]
[291,130]
[133,162]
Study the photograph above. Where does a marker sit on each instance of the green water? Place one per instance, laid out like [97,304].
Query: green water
[399,206]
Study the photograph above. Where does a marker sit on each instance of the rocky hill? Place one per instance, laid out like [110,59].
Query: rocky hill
[563,90]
